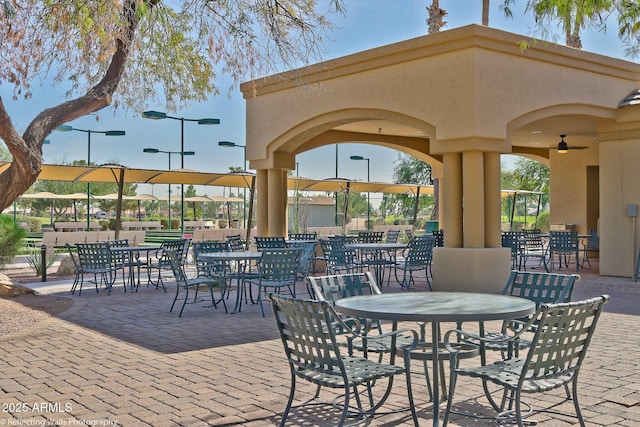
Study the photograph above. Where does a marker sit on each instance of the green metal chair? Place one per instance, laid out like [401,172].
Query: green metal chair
[303,236]
[235,243]
[562,337]
[370,236]
[564,245]
[338,258]
[192,284]
[539,287]
[513,240]
[95,259]
[162,263]
[215,270]
[418,257]
[307,329]
[277,269]
[533,248]
[270,242]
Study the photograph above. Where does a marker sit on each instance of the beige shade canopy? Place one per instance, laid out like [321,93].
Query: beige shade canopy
[48,195]
[114,196]
[341,184]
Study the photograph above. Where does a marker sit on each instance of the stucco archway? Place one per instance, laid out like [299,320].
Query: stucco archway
[472,92]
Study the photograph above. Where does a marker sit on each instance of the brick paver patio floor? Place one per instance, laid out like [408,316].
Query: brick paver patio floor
[123,359]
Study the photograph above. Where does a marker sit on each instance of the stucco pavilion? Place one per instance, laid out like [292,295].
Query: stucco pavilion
[458,100]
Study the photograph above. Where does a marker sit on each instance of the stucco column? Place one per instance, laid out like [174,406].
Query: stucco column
[275,211]
[451,199]
[262,202]
[285,202]
[472,259]
[492,200]
[473,196]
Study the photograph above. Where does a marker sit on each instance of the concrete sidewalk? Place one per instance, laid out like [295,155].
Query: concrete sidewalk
[123,359]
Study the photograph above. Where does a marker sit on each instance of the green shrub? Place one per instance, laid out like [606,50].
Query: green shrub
[11,239]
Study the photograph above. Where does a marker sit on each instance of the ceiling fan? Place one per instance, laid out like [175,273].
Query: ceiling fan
[563,147]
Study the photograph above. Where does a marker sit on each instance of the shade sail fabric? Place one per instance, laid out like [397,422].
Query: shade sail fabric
[48,195]
[341,184]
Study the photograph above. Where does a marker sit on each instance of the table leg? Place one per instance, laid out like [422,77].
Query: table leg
[435,330]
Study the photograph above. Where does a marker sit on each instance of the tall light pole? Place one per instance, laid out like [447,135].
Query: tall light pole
[231,144]
[159,115]
[182,154]
[368,194]
[69,128]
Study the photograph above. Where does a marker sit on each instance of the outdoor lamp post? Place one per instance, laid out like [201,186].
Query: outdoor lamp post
[368,194]
[182,153]
[159,115]
[244,168]
[69,128]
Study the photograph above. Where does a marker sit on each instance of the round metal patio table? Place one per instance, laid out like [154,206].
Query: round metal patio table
[436,307]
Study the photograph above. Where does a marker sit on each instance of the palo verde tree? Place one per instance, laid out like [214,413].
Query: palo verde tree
[127,52]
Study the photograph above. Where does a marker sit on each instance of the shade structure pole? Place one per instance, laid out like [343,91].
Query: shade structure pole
[118,224]
[182,167]
[88,183]
[415,209]
[251,194]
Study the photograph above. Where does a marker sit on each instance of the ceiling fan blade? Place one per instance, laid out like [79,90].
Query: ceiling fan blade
[577,148]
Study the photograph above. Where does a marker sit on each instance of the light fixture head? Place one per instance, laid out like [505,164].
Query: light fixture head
[357,158]
[154,115]
[150,150]
[227,144]
[209,121]
[562,145]
[188,153]
[115,133]
[64,128]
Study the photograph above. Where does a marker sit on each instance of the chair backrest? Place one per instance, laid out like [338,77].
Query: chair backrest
[270,242]
[235,243]
[541,288]
[309,344]
[307,251]
[335,253]
[532,240]
[207,268]
[119,257]
[593,243]
[563,241]
[512,240]
[303,236]
[562,338]
[94,255]
[439,236]
[392,236]
[420,250]
[278,264]
[179,246]
[335,287]
[176,266]
[370,236]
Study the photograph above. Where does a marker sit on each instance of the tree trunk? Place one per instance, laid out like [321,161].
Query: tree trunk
[485,13]
[27,149]
[435,20]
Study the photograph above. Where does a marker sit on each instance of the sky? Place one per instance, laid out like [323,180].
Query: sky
[367,24]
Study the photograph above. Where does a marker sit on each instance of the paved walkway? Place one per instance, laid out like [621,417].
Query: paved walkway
[123,359]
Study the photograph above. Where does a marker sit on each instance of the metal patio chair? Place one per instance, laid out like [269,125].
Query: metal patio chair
[192,284]
[277,269]
[303,236]
[562,337]
[236,243]
[95,259]
[337,258]
[215,270]
[308,332]
[513,241]
[418,257]
[162,263]
[564,245]
[533,248]
[270,242]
